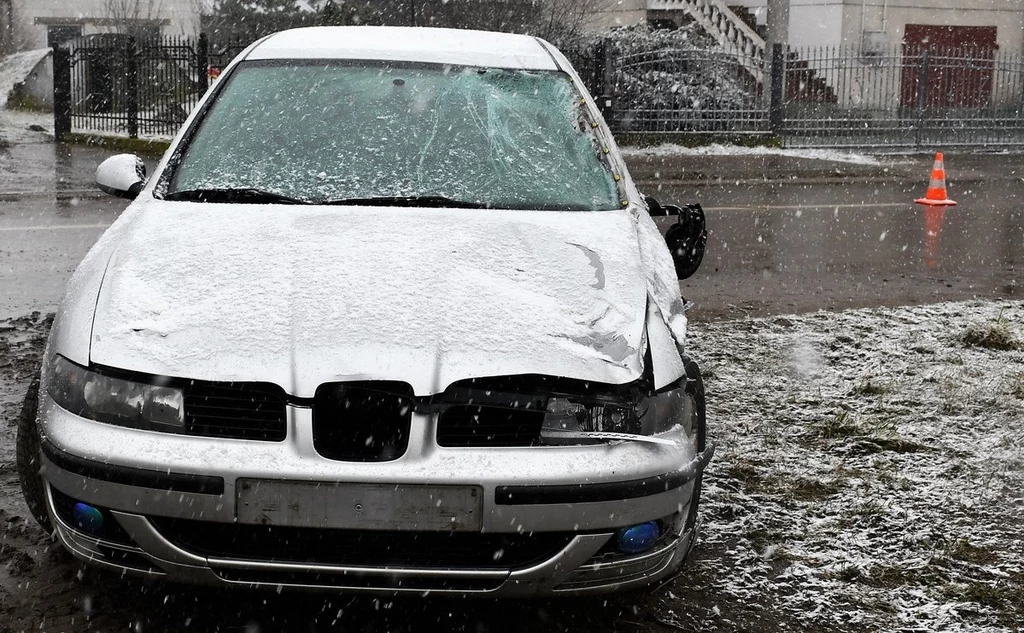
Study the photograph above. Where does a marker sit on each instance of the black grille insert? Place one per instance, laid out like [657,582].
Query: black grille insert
[362,421]
[471,425]
[246,411]
[445,550]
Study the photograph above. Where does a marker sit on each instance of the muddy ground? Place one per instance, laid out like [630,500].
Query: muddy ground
[43,589]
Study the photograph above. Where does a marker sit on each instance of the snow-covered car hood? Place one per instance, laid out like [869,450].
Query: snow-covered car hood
[299,296]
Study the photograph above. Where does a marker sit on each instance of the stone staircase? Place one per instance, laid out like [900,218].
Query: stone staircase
[748,18]
[721,23]
[736,30]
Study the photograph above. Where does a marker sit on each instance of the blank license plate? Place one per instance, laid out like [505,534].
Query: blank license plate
[359,506]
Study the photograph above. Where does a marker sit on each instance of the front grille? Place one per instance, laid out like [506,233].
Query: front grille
[246,411]
[471,425]
[362,421]
[282,544]
[357,581]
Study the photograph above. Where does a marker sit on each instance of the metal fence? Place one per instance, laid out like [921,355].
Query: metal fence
[119,85]
[830,97]
[907,97]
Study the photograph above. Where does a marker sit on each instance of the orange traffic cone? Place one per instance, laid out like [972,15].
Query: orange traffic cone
[937,196]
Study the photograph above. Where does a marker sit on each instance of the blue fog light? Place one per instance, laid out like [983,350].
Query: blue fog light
[87,517]
[639,538]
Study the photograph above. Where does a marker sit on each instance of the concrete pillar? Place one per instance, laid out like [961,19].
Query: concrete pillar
[777,31]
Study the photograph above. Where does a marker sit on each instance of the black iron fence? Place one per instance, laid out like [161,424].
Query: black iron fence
[832,97]
[835,97]
[117,84]
[906,97]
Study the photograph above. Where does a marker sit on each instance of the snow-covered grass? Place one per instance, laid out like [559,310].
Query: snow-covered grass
[870,467]
[670,149]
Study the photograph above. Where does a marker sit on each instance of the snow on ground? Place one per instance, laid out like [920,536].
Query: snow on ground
[716,149]
[869,472]
[24,126]
[15,68]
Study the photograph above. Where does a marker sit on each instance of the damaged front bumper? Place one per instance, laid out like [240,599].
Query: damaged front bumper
[548,516]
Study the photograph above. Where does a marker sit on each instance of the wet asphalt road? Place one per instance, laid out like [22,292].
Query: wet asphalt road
[784,248]
[786,235]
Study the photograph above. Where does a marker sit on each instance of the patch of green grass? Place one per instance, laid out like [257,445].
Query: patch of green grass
[872,445]
[868,388]
[995,335]
[744,473]
[754,480]
[840,426]
[766,543]
[807,489]
[867,436]
[149,147]
[964,550]
[992,595]
[760,538]
[890,576]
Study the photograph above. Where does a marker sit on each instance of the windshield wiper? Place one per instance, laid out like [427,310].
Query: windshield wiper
[248,195]
[406,201]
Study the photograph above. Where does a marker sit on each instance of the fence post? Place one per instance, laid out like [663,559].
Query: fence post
[61,92]
[203,63]
[131,55]
[922,97]
[602,79]
[778,84]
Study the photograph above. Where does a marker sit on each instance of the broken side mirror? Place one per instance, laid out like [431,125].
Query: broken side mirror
[687,238]
[123,176]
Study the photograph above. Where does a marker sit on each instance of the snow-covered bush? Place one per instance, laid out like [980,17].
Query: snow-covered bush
[664,80]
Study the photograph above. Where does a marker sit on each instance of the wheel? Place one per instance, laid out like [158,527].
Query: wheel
[28,458]
[696,390]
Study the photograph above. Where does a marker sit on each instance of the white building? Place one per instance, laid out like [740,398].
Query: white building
[878,24]
[32,24]
[870,24]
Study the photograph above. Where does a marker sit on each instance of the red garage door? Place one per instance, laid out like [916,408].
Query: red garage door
[959,72]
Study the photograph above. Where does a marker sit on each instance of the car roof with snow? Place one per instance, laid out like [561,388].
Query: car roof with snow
[408,44]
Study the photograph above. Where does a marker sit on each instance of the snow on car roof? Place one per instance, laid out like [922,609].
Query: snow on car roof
[412,44]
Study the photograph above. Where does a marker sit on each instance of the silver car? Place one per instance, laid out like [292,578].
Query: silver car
[389,316]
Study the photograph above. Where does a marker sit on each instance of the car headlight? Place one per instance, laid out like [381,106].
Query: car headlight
[566,418]
[112,400]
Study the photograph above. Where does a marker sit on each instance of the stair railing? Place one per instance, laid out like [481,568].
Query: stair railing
[726,27]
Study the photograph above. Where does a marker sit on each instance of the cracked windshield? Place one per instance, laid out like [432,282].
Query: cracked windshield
[510,139]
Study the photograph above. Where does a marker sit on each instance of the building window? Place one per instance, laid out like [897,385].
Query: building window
[59,33]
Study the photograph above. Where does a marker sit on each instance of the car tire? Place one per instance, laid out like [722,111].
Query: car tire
[28,458]
[696,389]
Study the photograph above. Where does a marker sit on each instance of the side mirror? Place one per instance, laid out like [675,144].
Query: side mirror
[123,176]
[687,238]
